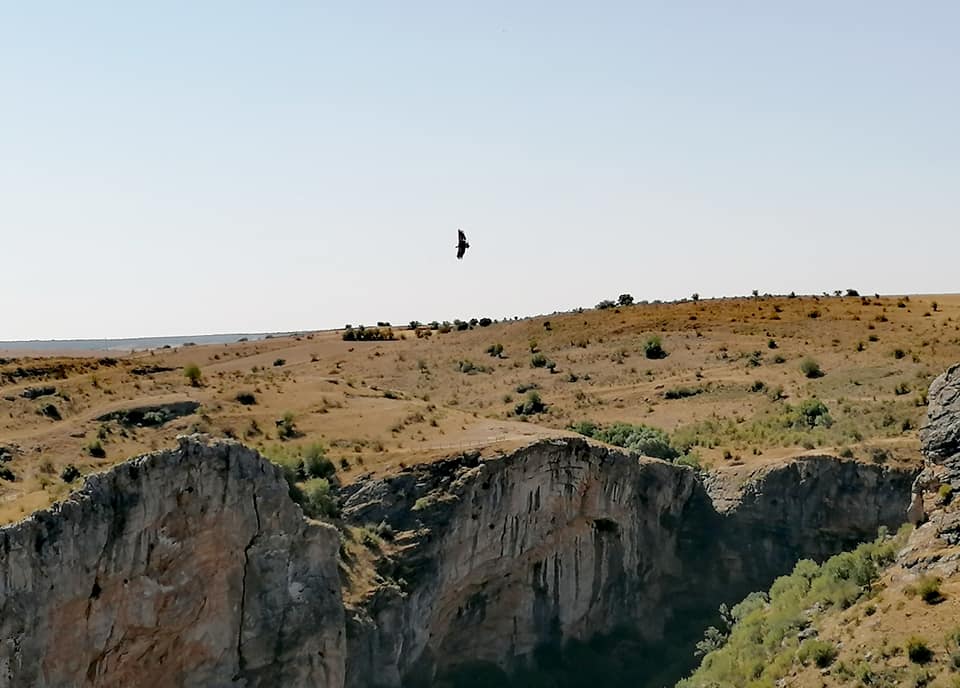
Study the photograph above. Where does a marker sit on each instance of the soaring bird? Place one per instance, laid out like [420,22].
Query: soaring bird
[462,244]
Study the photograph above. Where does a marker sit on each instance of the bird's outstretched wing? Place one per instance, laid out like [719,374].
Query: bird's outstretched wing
[461,236]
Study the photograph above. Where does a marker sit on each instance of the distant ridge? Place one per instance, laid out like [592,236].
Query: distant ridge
[132,343]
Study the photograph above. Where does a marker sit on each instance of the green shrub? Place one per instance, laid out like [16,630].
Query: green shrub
[928,588]
[809,413]
[315,462]
[819,652]
[286,427]
[810,368]
[495,350]
[96,450]
[193,374]
[642,439]
[246,398]
[538,361]
[70,473]
[758,386]
[682,392]
[531,405]
[899,353]
[918,651]
[318,499]
[945,493]
[653,348]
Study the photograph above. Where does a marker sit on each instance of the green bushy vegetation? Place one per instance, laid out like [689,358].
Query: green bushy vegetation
[682,392]
[642,439]
[810,368]
[532,404]
[807,422]
[310,476]
[653,348]
[368,334]
[193,374]
[760,641]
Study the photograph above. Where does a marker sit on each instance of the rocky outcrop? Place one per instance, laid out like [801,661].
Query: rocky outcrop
[189,567]
[940,435]
[563,541]
[194,567]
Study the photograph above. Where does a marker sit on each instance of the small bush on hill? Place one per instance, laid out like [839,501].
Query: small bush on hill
[531,405]
[928,588]
[246,398]
[286,427]
[318,499]
[193,374]
[810,368]
[538,361]
[682,392]
[819,652]
[315,462]
[809,413]
[918,651]
[70,473]
[653,348]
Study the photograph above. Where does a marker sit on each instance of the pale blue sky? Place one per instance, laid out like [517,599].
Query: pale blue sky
[189,167]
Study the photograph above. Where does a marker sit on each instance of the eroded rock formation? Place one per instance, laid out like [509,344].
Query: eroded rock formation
[189,567]
[194,567]
[564,540]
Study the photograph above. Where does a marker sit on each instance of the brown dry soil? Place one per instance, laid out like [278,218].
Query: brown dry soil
[727,388]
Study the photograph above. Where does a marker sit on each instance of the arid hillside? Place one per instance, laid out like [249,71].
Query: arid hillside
[732,382]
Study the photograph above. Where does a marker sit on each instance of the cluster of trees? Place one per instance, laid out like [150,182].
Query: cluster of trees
[447,326]
[622,300]
[368,334]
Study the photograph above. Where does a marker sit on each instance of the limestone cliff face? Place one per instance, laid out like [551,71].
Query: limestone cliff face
[189,567]
[193,567]
[565,540]
[813,507]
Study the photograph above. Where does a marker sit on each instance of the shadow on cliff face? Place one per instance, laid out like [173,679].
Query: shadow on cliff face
[618,660]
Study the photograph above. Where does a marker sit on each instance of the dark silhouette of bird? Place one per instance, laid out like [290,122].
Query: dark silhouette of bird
[462,244]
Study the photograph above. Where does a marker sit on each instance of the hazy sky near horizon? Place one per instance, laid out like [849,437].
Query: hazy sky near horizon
[191,167]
